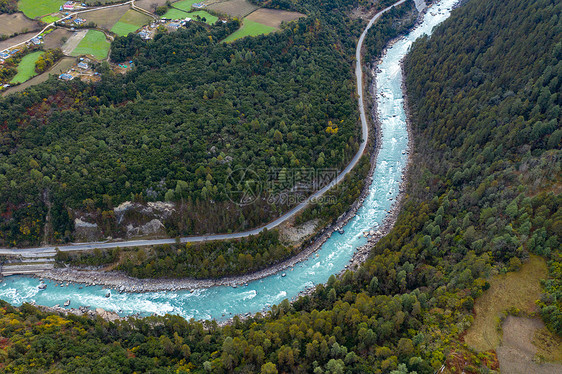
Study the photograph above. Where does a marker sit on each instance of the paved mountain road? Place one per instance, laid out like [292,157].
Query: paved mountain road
[285,217]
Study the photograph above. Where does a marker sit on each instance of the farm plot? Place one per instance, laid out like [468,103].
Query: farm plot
[37,8]
[180,14]
[249,28]
[204,16]
[150,5]
[26,67]
[130,22]
[55,38]
[185,4]
[105,18]
[175,14]
[50,19]
[234,8]
[93,44]
[60,67]
[101,2]
[16,23]
[273,17]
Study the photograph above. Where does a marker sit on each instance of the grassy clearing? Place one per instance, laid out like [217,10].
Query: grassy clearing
[26,67]
[517,289]
[249,28]
[130,22]
[549,345]
[94,43]
[37,8]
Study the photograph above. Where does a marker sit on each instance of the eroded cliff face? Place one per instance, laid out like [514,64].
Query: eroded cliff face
[128,220]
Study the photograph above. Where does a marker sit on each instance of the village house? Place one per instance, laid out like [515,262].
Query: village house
[69,5]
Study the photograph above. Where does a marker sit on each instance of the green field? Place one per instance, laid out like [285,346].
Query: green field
[130,22]
[209,18]
[49,19]
[37,8]
[249,28]
[26,67]
[185,4]
[94,43]
[179,14]
[175,14]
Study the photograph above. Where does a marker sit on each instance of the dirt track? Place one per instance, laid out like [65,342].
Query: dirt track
[517,352]
[73,42]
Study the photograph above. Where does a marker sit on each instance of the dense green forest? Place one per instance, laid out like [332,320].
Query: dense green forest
[484,92]
[8,6]
[192,111]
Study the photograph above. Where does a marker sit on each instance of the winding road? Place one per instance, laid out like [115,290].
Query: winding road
[51,250]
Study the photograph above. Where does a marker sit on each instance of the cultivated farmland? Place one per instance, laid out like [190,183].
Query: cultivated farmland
[37,8]
[185,4]
[55,38]
[234,8]
[273,17]
[209,18]
[130,22]
[105,18]
[60,67]
[150,5]
[180,14]
[26,67]
[94,44]
[249,28]
[16,23]
[175,14]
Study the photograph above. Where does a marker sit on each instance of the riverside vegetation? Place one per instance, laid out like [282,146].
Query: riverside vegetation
[485,192]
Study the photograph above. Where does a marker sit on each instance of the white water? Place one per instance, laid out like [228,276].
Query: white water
[223,302]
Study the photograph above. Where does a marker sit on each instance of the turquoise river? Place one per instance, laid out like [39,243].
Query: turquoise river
[223,302]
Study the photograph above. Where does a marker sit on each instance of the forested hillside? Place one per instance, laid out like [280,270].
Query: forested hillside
[484,92]
[8,6]
[192,111]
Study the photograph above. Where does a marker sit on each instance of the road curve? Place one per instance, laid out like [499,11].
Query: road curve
[211,237]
